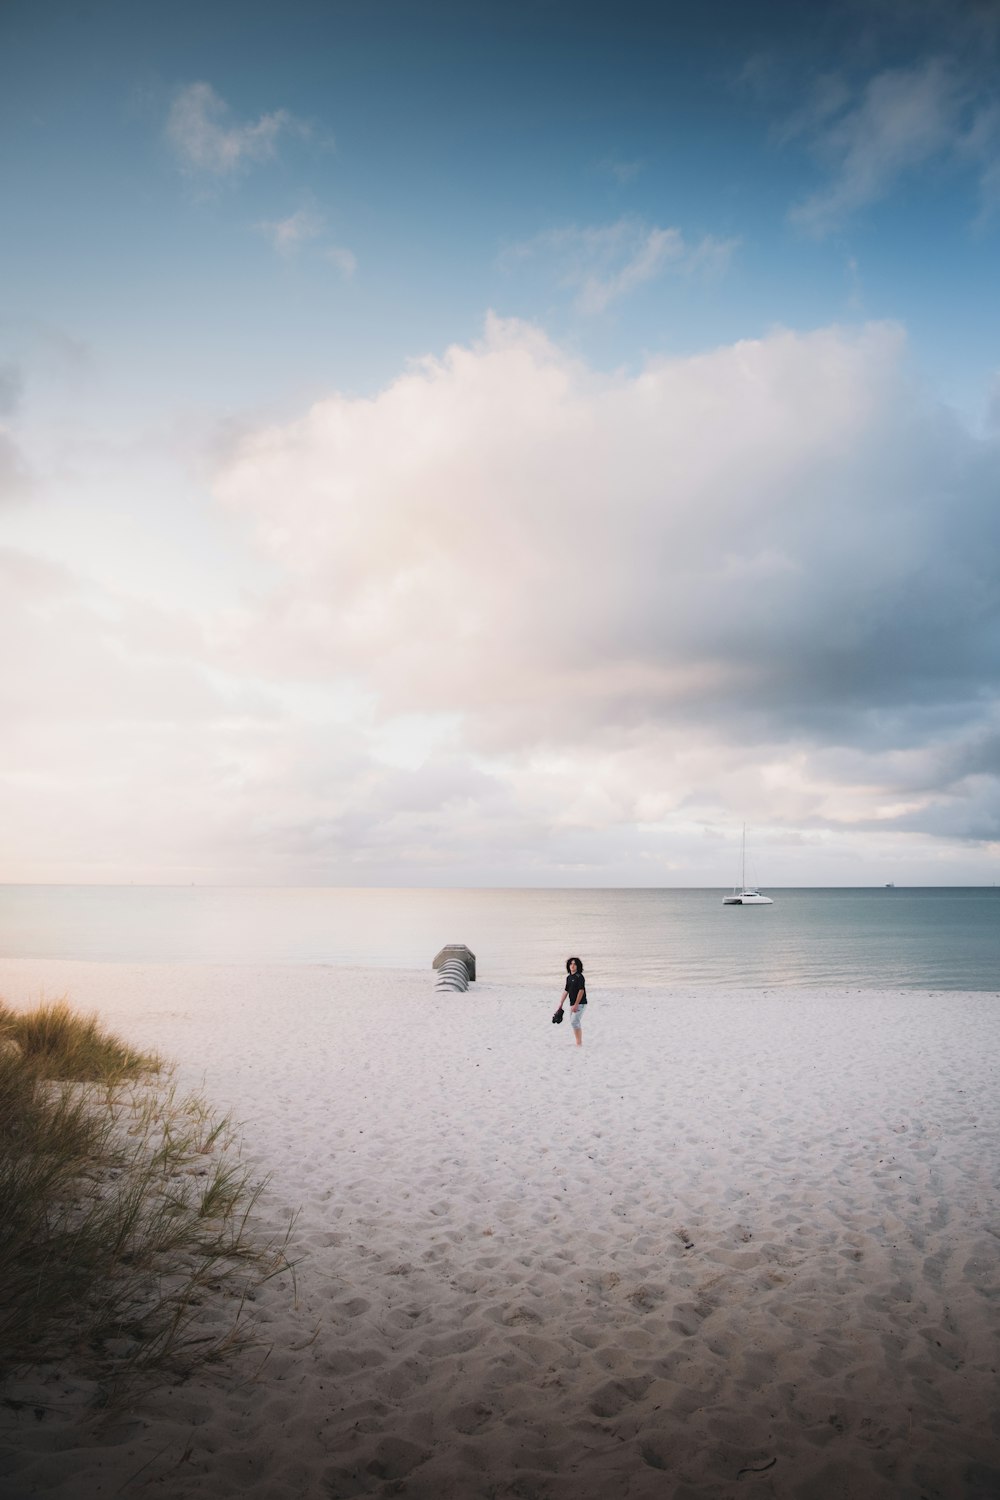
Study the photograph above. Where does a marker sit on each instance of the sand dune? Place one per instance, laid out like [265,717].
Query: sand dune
[739,1243]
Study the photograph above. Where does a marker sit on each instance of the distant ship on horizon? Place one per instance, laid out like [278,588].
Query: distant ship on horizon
[745,895]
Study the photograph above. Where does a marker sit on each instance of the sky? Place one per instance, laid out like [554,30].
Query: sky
[501,443]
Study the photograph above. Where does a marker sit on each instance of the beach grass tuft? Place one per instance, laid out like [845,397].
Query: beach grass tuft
[125,1237]
[67,1045]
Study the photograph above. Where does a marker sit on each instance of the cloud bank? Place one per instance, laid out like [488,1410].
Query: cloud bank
[763,574]
[782,529]
[530,623]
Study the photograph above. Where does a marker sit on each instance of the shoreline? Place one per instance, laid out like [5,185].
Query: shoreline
[51,969]
[740,1236]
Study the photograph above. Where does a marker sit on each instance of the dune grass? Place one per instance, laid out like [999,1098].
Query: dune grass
[66,1045]
[124,1234]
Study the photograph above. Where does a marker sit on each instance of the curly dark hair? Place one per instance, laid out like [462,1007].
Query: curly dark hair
[577,961]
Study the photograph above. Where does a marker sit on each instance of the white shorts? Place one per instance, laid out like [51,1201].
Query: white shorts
[575,1017]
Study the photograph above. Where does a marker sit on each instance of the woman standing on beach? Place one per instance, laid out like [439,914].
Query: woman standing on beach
[576,993]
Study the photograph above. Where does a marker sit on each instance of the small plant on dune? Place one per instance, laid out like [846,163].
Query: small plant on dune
[125,1226]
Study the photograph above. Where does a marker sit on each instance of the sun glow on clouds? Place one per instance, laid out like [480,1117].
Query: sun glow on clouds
[504,531]
[684,582]
[524,611]
[586,623]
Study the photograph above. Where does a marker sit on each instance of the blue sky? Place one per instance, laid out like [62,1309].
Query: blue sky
[500,444]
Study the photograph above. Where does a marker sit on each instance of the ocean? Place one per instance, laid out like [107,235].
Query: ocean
[905,938]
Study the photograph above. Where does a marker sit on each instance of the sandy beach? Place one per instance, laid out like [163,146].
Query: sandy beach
[738,1243]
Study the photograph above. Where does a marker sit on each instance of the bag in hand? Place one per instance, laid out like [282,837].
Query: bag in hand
[557,1018]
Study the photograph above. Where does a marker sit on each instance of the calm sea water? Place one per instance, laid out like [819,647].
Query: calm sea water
[917,938]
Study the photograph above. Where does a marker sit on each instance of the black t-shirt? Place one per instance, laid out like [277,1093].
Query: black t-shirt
[574,984]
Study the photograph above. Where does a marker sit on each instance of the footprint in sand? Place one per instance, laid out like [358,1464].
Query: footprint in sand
[353,1308]
[610,1399]
[395,1458]
[402,1379]
[688,1318]
[470,1418]
[450,1344]
[513,1316]
[646,1298]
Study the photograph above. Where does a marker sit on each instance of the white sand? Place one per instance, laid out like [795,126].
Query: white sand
[737,1244]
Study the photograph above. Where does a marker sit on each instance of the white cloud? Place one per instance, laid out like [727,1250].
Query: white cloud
[981,145]
[345,260]
[623,172]
[119,747]
[522,621]
[11,387]
[15,477]
[603,263]
[677,589]
[905,119]
[288,235]
[305,227]
[200,131]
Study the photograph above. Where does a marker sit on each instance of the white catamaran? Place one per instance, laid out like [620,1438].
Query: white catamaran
[745,895]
